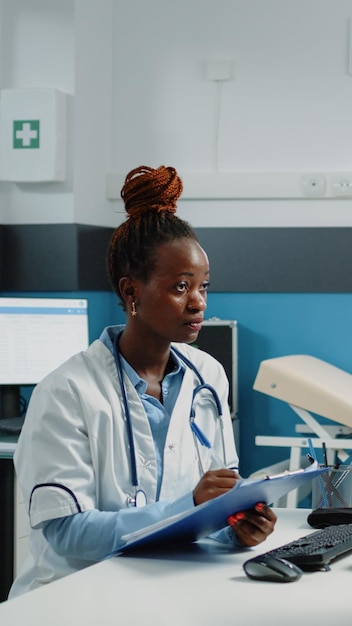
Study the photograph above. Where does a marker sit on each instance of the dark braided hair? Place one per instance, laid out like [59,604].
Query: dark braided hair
[150,197]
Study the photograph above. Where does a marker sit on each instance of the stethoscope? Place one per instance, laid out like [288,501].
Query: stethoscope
[139,498]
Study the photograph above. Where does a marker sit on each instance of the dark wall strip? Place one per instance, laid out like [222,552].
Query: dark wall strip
[286,260]
[53,257]
[71,257]
[1,255]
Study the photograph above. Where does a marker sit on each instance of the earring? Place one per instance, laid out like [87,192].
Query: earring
[133,310]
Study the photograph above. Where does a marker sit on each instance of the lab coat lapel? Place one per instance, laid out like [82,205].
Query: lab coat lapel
[143,442]
[180,459]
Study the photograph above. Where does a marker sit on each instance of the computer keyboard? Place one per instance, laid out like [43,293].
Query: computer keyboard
[318,549]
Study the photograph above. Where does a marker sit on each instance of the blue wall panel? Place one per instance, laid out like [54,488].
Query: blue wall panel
[272,325]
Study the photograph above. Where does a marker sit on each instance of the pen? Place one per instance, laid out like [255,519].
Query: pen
[319,479]
[311,449]
[218,463]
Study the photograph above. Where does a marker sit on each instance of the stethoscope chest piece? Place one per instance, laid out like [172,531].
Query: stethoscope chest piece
[139,500]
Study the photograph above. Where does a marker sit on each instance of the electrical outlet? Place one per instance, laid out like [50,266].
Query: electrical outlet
[342,185]
[313,185]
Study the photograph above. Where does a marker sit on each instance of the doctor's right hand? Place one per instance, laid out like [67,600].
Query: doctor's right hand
[213,484]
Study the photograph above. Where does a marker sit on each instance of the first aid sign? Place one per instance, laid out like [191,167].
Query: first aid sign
[26,134]
[33,135]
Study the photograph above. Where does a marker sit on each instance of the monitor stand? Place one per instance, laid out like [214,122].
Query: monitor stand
[11,421]
[9,413]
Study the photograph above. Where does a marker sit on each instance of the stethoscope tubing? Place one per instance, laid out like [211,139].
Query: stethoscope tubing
[127,413]
[197,433]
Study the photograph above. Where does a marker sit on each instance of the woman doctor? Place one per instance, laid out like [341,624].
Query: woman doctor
[108,446]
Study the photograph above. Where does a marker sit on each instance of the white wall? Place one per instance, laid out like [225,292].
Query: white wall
[37,50]
[93,118]
[66,45]
[140,95]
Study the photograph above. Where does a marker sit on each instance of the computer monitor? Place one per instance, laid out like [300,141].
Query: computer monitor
[36,336]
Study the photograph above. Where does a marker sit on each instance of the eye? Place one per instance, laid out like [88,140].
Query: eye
[205,286]
[182,287]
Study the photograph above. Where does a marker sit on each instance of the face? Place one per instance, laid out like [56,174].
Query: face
[171,304]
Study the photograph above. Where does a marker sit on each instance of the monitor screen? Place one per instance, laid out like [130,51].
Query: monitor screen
[38,334]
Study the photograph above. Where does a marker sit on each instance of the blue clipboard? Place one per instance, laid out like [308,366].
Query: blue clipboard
[210,516]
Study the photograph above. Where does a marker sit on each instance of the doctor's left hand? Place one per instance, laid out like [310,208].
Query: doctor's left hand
[253,526]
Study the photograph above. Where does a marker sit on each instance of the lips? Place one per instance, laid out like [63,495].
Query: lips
[196,323]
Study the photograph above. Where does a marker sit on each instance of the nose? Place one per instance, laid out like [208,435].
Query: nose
[197,301]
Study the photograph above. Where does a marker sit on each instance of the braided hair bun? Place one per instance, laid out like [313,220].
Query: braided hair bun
[150,197]
[147,189]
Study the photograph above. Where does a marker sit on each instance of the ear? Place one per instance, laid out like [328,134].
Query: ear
[127,289]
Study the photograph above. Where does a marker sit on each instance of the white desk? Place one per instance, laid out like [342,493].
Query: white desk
[200,586]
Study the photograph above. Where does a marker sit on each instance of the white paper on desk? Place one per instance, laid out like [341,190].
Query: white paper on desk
[212,515]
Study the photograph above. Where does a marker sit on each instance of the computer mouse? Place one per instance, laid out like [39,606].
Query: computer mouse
[266,567]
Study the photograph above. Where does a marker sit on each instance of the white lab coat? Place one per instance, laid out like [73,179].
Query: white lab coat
[72,454]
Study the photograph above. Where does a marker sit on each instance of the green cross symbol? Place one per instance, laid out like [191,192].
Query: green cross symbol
[25,134]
